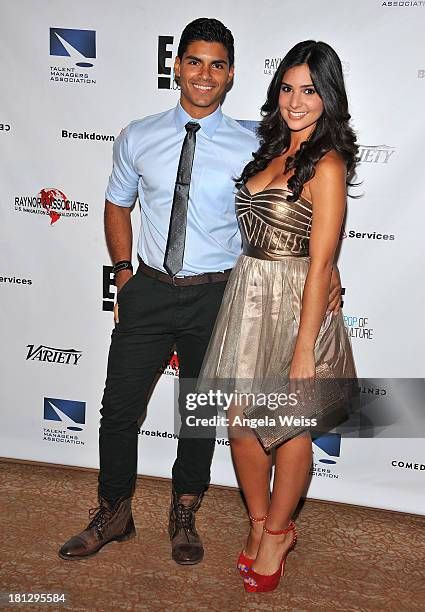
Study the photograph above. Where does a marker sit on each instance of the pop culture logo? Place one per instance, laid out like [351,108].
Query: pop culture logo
[77,44]
[358,327]
[69,412]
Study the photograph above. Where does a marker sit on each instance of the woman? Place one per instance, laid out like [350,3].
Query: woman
[273,319]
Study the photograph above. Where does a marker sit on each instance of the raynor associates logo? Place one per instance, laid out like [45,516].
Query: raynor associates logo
[53,203]
[171,367]
[76,50]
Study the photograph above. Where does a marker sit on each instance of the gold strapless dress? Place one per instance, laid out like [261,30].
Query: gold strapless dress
[257,326]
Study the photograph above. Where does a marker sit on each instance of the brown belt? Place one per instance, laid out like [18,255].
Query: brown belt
[185,281]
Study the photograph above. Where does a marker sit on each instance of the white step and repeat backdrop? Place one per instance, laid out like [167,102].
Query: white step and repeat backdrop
[74,74]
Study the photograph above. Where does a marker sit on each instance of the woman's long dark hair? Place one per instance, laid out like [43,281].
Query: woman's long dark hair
[332,130]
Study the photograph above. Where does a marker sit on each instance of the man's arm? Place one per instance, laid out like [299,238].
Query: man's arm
[119,238]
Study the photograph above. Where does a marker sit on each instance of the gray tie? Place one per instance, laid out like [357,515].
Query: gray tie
[173,260]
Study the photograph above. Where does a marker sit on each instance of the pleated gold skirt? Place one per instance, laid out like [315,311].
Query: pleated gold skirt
[256,329]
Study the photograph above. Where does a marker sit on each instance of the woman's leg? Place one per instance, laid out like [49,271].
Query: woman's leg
[253,467]
[293,463]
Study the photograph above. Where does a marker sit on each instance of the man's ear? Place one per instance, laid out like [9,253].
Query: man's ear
[177,68]
[231,73]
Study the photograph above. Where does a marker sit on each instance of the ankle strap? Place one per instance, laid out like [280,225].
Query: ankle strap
[291,527]
[257,520]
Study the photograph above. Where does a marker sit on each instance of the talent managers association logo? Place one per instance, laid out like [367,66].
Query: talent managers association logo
[74,47]
[65,415]
[77,44]
[327,448]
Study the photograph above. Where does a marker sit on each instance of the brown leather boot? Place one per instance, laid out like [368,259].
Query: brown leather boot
[186,545]
[107,524]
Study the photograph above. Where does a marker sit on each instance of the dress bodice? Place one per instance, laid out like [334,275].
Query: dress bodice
[272,227]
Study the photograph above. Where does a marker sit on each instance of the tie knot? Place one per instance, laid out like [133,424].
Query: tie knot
[192,126]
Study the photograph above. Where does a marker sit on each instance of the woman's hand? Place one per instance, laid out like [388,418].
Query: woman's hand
[302,373]
[303,365]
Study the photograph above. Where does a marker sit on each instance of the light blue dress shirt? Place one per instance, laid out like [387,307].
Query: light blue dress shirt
[145,159]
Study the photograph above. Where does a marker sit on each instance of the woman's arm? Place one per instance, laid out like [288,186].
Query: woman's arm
[328,193]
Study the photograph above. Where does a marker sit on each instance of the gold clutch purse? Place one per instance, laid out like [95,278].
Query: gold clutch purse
[320,402]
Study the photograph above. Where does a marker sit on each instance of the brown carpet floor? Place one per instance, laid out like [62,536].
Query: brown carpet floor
[347,558]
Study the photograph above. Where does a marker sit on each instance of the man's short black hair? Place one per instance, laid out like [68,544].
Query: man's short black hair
[210,30]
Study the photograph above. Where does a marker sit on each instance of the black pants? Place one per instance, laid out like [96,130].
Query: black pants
[153,316]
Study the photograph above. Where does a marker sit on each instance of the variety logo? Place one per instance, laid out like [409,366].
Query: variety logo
[327,449]
[87,136]
[53,355]
[4,127]
[375,154]
[15,280]
[171,367]
[53,203]
[109,289]
[75,47]
[165,63]
[358,327]
[67,415]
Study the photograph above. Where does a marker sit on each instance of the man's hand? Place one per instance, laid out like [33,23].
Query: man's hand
[334,303]
[121,278]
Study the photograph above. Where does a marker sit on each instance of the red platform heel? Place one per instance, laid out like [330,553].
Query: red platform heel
[257,583]
[244,562]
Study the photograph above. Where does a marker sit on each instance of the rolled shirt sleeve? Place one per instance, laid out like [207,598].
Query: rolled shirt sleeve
[123,182]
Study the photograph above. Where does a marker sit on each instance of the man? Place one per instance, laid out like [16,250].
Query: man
[188,243]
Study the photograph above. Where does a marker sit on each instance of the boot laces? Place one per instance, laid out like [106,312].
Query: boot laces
[185,519]
[99,516]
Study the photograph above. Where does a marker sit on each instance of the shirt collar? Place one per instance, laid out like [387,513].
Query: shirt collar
[208,124]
